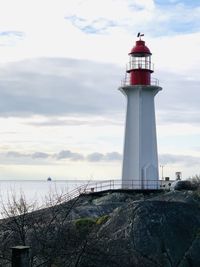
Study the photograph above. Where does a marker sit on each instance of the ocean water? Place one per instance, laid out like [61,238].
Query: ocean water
[37,190]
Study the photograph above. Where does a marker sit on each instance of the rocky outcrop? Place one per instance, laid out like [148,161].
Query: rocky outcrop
[160,233]
[119,229]
[162,230]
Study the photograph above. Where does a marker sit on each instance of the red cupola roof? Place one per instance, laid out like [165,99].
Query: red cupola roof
[140,49]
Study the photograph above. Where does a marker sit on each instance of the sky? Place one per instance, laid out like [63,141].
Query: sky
[61,64]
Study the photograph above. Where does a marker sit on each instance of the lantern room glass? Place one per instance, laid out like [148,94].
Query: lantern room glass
[140,62]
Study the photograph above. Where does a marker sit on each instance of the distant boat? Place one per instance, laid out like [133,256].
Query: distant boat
[49,179]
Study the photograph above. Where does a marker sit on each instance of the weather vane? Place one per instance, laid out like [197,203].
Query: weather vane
[139,35]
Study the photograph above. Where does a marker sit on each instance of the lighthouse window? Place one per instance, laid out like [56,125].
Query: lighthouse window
[146,62]
[140,63]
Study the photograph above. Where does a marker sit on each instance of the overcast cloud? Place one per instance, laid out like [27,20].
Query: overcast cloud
[61,63]
[66,87]
[58,87]
[35,158]
[185,160]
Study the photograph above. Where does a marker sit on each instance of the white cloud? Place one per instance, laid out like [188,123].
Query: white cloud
[48,33]
[65,87]
[186,160]
[38,158]
[67,154]
[48,88]
[58,87]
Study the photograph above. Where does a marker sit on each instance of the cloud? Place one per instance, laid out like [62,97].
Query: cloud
[178,102]
[90,121]
[59,87]
[11,33]
[93,157]
[169,14]
[186,160]
[112,156]
[79,88]
[35,157]
[67,154]
[111,23]
[74,91]
[10,38]
[39,155]
[97,26]
[14,154]
[74,88]
[94,18]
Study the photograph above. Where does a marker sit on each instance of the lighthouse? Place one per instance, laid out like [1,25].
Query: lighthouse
[140,158]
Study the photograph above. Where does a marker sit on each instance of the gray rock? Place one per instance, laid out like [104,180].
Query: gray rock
[157,233]
[160,229]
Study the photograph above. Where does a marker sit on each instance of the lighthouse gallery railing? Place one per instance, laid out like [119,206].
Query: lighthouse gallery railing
[126,81]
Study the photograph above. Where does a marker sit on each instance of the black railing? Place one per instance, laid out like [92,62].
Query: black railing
[126,81]
[99,186]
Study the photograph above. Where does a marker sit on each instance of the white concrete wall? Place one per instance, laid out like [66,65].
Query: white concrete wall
[140,162]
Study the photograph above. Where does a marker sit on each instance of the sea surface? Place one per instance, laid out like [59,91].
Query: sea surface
[36,190]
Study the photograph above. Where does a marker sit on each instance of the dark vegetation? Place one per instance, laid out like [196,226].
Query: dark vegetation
[107,230]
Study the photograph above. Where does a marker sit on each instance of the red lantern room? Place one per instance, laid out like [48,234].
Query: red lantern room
[140,66]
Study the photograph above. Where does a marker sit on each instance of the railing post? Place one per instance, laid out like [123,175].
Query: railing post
[20,256]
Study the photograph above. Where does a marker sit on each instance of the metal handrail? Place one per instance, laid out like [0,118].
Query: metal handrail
[126,81]
[101,186]
[113,185]
[154,81]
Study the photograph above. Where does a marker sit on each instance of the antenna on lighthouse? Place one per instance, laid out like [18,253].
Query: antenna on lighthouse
[139,35]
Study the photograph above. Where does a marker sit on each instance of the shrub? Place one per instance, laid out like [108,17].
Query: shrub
[102,219]
[85,222]
[196,181]
[184,185]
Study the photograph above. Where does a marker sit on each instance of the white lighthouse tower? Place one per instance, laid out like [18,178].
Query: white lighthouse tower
[140,160]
